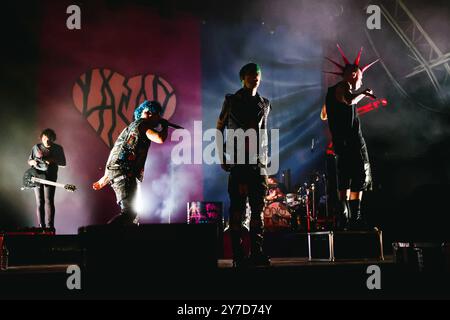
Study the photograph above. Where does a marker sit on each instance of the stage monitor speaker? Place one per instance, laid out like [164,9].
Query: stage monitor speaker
[26,249]
[154,248]
[421,256]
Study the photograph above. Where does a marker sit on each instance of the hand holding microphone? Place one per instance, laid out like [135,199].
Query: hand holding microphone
[369,93]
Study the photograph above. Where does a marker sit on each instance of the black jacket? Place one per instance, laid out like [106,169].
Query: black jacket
[242,111]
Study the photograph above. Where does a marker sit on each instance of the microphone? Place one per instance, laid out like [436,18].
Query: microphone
[170,124]
[173,125]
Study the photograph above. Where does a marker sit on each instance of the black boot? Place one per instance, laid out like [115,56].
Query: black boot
[343,215]
[239,260]
[127,217]
[123,220]
[357,221]
[258,257]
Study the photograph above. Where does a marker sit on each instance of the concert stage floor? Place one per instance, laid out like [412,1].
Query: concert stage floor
[286,279]
[302,262]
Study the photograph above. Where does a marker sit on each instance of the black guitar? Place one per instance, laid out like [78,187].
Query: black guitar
[33,178]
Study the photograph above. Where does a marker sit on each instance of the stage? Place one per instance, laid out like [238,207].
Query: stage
[177,277]
[198,118]
[285,279]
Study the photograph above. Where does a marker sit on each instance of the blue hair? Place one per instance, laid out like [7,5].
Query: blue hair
[152,106]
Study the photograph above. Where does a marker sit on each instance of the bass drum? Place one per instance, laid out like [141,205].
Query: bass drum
[277,217]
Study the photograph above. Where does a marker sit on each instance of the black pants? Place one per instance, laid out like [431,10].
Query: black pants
[353,168]
[45,203]
[246,182]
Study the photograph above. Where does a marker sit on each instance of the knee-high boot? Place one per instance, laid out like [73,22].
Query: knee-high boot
[344,215]
[236,247]
[357,219]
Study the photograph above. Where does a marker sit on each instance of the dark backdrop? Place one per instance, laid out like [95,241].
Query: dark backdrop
[408,139]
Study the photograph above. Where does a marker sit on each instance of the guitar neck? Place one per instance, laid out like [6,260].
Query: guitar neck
[48,182]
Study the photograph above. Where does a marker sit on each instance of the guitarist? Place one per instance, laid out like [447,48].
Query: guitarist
[46,157]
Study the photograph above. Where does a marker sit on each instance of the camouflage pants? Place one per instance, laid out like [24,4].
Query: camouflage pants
[125,190]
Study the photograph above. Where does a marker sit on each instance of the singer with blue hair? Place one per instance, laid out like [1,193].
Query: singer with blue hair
[126,162]
[153,106]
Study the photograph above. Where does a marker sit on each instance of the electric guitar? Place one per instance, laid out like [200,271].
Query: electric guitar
[33,178]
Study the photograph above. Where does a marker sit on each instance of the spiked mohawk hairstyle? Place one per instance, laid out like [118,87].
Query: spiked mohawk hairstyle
[348,65]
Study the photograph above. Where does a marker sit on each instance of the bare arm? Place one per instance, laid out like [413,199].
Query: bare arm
[103,181]
[157,136]
[323,113]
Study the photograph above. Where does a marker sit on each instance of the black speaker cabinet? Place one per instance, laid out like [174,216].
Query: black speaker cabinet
[41,249]
[149,249]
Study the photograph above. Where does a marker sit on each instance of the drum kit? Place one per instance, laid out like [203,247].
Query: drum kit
[295,211]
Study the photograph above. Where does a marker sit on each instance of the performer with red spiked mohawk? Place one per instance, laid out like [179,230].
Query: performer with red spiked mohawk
[353,166]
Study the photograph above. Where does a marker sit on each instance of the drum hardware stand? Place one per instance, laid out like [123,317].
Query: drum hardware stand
[308,206]
[325,183]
